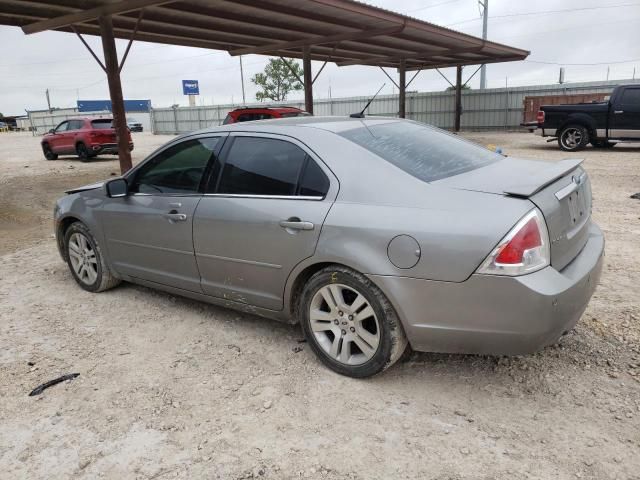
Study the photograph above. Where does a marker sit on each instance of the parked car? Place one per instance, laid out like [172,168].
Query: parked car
[248,114]
[134,125]
[602,124]
[372,233]
[84,137]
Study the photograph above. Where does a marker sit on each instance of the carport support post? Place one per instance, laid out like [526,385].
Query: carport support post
[458,97]
[402,88]
[115,91]
[308,79]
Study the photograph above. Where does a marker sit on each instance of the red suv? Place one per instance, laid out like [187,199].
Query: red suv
[85,137]
[248,114]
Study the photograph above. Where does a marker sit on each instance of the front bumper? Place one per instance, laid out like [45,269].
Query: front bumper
[496,315]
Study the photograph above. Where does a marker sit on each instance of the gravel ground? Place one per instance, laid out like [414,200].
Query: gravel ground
[173,388]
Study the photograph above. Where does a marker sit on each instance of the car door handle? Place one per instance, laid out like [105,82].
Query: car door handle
[175,217]
[618,111]
[296,224]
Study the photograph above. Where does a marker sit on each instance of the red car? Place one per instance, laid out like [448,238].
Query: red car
[248,114]
[85,137]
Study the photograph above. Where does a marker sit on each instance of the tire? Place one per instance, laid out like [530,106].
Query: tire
[86,261]
[601,144]
[48,153]
[573,138]
[83,152]
[351,346]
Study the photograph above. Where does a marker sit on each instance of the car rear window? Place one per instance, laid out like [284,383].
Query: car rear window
[102,123]
[294,114]
[425,152]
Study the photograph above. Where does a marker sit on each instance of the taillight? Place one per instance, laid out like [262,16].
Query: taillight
[524,249]
[540,116]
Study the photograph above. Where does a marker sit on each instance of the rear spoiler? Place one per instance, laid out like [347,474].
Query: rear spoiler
[543,178]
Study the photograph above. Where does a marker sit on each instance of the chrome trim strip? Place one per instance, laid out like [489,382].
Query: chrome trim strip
[601,132]
[624,133]
[239,260]
[153,247]
[276,197]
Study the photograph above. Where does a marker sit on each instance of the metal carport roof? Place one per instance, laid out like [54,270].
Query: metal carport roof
[345,32]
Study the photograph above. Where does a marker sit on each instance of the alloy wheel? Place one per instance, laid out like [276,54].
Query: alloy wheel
[83,258]
[572,138]
[344,324]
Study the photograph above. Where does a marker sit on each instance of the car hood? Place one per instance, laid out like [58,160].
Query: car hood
[92,186]
[511,176]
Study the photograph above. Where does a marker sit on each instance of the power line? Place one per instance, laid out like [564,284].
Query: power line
[433,6]
[583,64]
[547,12]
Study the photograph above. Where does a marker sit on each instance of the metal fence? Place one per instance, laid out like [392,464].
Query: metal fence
[496,108]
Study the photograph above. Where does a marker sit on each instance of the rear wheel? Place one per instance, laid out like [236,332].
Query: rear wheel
[349,323]
[573,138]
[83,152]
[48,153]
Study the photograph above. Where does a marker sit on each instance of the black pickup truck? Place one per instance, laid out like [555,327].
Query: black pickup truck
[601,124]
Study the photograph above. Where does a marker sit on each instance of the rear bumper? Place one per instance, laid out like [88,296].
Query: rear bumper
[497,315]
[108,148]
[136,128]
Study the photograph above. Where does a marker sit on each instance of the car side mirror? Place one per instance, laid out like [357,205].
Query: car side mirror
[116,188]
[52,131]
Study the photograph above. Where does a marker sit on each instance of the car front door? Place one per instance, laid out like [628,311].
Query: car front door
[261,215]
[148,233]
[625,121]
[59,141]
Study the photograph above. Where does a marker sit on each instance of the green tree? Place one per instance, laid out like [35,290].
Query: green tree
[453,89]
[277,80]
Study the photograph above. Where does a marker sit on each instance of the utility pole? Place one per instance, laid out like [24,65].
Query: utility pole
[242,80]
[485,17]
[607,74]
[48,101]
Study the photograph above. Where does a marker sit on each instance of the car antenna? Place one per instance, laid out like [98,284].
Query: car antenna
[361,113]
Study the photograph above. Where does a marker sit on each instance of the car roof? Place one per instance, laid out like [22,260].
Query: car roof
[89,118]
[334,124]
[266,107]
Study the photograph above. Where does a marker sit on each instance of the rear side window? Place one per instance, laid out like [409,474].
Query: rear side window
[314,183]
[425,152]
[102,123]
[261,166]
[227,120]
[631,96]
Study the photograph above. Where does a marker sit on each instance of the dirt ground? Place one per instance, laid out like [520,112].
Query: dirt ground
[173,388]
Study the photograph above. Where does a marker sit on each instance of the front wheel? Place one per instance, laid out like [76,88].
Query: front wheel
[573,138]
[85,260]
[349,323]
[48,153]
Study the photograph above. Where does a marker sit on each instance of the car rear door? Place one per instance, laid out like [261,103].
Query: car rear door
[149,232]
[625,119]
[260,216]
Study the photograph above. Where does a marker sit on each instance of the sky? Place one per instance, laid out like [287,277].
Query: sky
[587,37]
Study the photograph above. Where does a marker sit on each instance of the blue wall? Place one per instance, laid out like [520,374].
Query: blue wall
[101,105]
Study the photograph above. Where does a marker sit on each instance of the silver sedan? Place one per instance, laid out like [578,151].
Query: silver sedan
[374,234]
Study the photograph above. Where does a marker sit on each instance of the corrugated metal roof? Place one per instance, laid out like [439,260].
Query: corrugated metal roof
[342,31]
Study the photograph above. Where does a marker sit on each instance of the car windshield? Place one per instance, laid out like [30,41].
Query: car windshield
[132,120]
[102,123]
[425,152]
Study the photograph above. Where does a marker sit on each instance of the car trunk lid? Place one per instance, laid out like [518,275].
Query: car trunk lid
[561,190]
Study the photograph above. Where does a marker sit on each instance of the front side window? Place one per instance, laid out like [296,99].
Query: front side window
[425,152]
[176,170]
[63,127]
[262,166]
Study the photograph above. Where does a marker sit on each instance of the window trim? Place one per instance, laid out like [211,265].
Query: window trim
[131,174]
[66,130]
[310,156]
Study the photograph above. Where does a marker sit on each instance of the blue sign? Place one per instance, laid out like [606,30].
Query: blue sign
[105,105]
[190,87]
